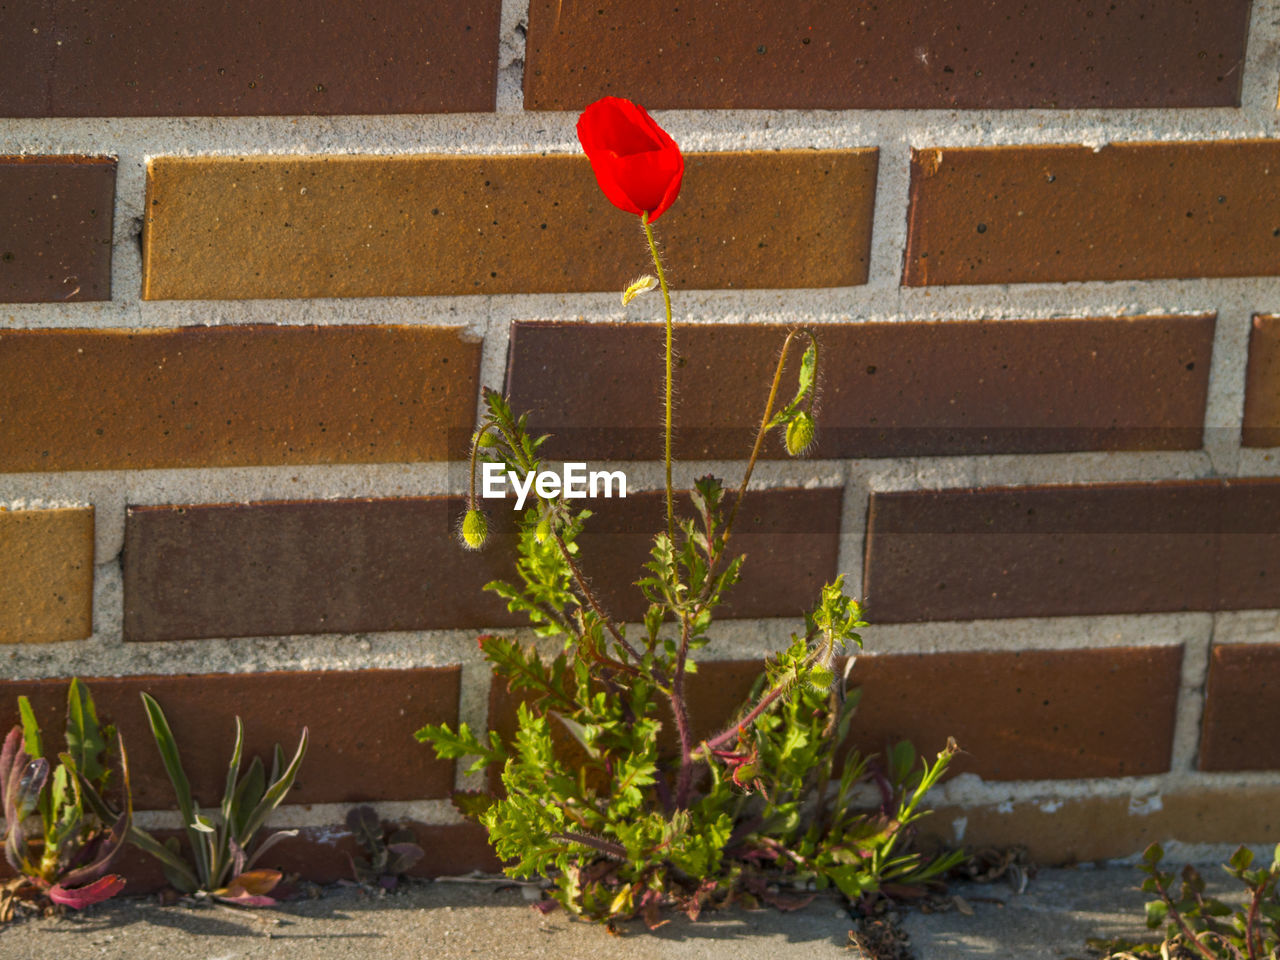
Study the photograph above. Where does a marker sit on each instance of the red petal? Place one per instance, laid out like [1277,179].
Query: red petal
[637,164]
[81,897]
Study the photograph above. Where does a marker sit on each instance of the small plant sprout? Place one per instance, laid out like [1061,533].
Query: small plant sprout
[1195,925]
[223,850]
[387,856]
[64,856]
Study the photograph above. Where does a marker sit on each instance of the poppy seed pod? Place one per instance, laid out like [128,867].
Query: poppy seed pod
[637,164]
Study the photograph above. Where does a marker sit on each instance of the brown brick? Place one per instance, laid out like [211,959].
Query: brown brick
[361,725]
[924,54]
[1042,551]
[46,574]
[349,226]
[1073,550]
[207,58]
[234,396]
[1127,211]
[1248,570]
[1026,715]
[1242,708]
[347,566]
[1029,715]
[1099,828]
[1261,426]
[55,227]
[886,389]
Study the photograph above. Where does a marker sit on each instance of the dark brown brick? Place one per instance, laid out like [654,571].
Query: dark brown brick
[360,226]
[234,396]
[1073,550]
[886,389]
[207,58]
[348,566]
[923,54]
[1261,426]
[1242,708]
[361,728]
[1042,551]
[55,227]
[1127,211]
[1248,571]
[1026,715]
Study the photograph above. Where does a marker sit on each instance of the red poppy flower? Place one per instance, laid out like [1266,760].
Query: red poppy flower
[637,164]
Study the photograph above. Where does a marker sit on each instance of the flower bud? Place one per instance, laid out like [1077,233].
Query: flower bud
[475,530]
[543,530]
[486,439]
[800,433]
[821,678]
[637,287]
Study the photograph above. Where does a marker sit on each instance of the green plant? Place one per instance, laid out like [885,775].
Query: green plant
[588,795]
[387,856]
[64,858]
[222,842]
[1199,926]
[625,828]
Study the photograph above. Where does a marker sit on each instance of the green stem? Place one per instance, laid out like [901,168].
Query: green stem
[666,298]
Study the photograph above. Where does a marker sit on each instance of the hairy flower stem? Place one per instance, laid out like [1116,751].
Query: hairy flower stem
[760,434]
[666,299]
[684,780]
[590,597]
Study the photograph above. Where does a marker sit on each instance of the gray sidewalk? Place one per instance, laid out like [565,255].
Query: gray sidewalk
[452,921]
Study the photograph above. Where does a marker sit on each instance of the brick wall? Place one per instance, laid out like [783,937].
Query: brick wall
[256,265]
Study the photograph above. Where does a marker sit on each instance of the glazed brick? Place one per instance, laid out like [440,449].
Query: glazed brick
[1102,828]
[1242,708]
[1127,211]
[55,227]
[1028,715]
[924,54]
[1042,551]
[361,728]
[46,574]
[207,58]
[1261,427]
[234,396]
[350,566]
[350,226]
[886,389]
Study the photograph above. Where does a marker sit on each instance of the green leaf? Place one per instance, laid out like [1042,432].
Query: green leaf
[85,742]
[1157,911]
[1241,859]
[233,775]
[30,729]
[275,793]
[169,757]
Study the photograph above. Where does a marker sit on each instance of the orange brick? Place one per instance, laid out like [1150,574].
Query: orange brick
[46,575]
[1098,828]
[343,226]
